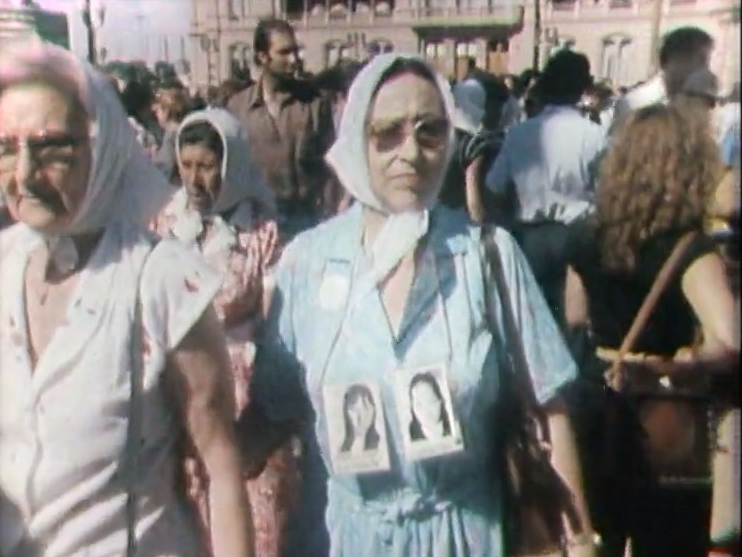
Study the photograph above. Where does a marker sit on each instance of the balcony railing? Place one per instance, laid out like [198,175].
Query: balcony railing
[416,15]
[562,9]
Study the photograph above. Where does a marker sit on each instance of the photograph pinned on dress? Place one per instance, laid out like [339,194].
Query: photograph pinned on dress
[356,428]
[428,422]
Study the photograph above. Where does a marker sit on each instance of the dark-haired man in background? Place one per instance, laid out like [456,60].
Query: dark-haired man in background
[683,52]
[543,178]
[290,126]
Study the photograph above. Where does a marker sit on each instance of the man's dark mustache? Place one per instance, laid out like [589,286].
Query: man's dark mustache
[196,189]
[48,197]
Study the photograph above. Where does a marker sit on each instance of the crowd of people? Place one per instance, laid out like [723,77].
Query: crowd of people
[282,318]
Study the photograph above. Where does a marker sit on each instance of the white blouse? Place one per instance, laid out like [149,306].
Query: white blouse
[64,425]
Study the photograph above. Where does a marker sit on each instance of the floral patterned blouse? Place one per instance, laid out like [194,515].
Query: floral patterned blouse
[244,265]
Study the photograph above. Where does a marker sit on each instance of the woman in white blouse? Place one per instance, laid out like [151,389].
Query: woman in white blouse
[109,346]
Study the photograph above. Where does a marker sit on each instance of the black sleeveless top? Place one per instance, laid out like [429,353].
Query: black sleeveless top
[615,298]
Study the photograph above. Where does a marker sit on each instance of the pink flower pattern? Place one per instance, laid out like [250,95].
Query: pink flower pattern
[239,305]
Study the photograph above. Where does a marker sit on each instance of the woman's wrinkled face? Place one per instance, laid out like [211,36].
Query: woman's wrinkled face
[425,403]
[407,134]
[45,155]
[201,174]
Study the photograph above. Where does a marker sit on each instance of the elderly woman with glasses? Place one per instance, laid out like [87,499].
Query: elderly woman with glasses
[109,345]
[392,288]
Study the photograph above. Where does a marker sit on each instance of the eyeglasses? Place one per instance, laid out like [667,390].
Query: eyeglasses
[48,150]
[430,133]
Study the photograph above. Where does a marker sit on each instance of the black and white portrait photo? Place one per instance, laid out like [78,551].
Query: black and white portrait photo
[429,425]
[359,415]
[355,426]
[429,419]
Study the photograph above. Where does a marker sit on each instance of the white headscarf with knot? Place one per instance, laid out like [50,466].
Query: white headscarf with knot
[401,232]
[243,187]
[123,184]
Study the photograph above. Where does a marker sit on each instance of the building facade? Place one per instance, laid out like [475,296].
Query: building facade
[619,36]
[19,19]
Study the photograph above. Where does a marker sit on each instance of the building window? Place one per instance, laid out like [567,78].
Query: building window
[239,56]
[435,6]
[338,10]
[436,53]
[317,10]
[360,7]
[435,50]
[497,60]
[464,50]
[616,59]
[335,51]
[563,4]
[294,9]
[561,43]
[380,46]
[384,7]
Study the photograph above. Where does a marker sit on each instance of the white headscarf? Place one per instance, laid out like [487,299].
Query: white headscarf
[348,157]
[242,189]
[123,184]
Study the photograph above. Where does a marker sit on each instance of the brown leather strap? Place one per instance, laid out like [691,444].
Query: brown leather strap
[659,286]
[522,382]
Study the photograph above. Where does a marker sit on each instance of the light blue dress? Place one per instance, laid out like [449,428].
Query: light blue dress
[444,506]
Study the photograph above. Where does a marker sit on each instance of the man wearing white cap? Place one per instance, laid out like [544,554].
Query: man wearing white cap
[701,92]
[701,88]
[683,51]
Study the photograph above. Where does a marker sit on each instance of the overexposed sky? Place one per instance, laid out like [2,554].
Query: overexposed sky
[133,29]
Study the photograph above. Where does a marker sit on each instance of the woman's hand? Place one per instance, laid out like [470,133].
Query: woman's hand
[196,481]
[200,376]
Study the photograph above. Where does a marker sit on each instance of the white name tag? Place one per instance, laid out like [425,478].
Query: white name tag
[333,292]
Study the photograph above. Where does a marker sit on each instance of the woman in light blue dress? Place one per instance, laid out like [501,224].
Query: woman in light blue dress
[389,290]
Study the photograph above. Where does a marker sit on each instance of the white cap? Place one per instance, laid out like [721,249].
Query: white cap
[470,98]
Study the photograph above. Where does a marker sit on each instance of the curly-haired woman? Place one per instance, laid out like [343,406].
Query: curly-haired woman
[655,185]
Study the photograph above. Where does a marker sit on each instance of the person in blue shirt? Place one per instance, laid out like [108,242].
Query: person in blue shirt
[393,289]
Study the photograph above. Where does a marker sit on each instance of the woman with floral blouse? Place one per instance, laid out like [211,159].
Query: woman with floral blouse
[224,211]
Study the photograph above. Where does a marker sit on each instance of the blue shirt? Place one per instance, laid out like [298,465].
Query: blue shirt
[442,506]
[730,153]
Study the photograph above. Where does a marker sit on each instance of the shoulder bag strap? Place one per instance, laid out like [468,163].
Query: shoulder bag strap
[136,381]
[521,378]
[659,286]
